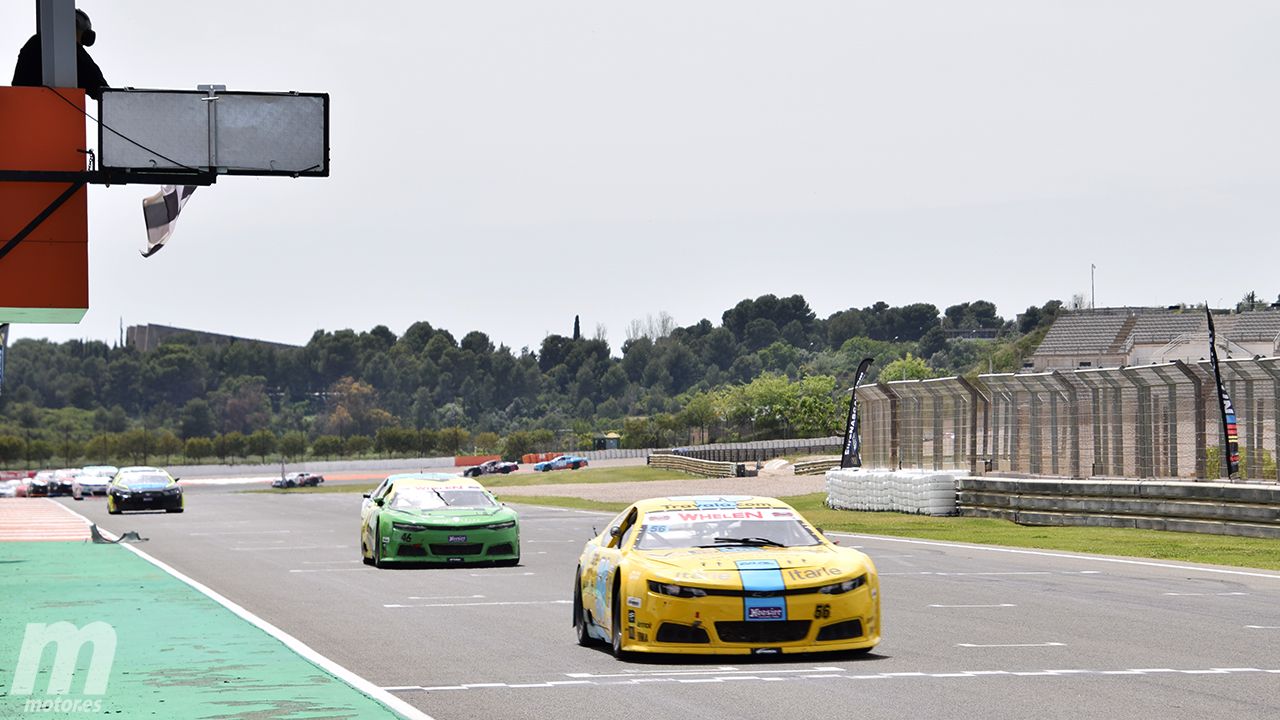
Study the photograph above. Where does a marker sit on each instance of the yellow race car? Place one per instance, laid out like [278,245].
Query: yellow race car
[732,575]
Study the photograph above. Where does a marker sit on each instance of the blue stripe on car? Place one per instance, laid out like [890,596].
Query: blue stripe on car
[762,576]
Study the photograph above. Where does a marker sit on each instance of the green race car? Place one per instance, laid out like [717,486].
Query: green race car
[434,518]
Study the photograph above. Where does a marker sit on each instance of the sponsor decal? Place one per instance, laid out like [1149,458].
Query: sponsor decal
[457,538]
[814,573]
[634,602]
[643,637]
[766,651]
[644,625]
[631,633]
[631,616]
[765,613]
[713,516]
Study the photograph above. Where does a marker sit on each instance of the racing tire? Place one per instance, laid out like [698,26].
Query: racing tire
[508,563]
[616,645]
[580,614]
[377,554]
[574,466]
[111,508]
[363,548]
[174,510]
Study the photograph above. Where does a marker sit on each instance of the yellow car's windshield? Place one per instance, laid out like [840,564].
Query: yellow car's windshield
[766,527]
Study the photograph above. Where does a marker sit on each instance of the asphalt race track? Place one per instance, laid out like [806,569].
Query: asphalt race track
[969,632]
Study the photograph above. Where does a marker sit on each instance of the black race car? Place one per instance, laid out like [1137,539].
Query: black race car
[146,490]
[491,467]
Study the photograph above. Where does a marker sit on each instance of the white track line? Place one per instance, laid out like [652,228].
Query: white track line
[1013,645]
[479,604]
[1065,556]
[1000,605]
[393,703]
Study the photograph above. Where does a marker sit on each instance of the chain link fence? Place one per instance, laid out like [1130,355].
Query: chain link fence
[1153,421]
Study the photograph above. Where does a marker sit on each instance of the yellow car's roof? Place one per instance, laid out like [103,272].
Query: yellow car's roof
[709,502]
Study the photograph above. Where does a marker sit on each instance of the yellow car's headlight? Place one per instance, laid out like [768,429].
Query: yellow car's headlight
[841,588]
[674,590]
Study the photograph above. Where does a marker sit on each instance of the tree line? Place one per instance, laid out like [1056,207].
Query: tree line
[769,368]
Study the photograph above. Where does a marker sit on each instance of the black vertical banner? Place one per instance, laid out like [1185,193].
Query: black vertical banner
[4,350]
[852,455]
[1230,432]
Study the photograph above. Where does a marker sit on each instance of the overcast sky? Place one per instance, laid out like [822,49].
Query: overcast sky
[503,166]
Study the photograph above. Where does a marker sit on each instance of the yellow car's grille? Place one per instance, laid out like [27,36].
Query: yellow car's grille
[763,632]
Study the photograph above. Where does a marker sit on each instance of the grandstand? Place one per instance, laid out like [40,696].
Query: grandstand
[1114,337]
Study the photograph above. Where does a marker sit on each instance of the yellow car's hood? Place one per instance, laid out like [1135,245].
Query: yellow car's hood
[801,565]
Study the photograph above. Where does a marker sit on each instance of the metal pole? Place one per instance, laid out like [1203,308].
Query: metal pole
[1093,291]
[56,23]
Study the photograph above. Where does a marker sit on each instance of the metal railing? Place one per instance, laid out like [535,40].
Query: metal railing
[1152,421]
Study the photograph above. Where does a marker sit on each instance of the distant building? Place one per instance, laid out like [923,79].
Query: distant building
[149,337]
[1111,337]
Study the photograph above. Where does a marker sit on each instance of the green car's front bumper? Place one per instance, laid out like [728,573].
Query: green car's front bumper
[415,543]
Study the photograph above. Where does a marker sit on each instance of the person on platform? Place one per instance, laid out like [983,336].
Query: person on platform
[30,70]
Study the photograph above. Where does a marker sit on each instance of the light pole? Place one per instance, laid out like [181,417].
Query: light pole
[1093,296]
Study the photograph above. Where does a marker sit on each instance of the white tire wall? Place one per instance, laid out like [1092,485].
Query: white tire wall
[908,491]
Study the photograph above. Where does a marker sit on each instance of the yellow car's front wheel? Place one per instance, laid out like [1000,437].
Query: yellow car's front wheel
[111,506]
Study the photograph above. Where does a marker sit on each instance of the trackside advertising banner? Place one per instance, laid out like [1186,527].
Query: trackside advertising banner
[852,455]
[1229,430]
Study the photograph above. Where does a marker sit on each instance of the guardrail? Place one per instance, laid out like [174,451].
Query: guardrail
[696,466]
[761,450]
[1214,508]
[817,466]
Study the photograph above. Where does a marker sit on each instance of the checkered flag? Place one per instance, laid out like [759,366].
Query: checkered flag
[161,213]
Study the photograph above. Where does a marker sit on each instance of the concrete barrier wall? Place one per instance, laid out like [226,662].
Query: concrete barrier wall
[1215,508]
[445,464]
[909,491]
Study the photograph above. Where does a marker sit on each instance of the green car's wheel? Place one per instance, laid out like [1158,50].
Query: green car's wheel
[509,563]
[580,613]
[377,553]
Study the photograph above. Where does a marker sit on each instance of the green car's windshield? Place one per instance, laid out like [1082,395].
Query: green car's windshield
[425,498]
[766,528]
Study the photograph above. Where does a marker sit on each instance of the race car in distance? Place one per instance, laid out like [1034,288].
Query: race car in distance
[723,575]
[433,518]
[144,489]
[491,467]
[40,485]
[94,479]
[572,462]
[298,479]
[66,482]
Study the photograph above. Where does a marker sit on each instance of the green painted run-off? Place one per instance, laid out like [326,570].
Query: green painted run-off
[178,654]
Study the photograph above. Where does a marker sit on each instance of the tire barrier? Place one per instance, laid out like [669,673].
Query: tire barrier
[817,466]
[696,466]
[916,492]
[1212,508]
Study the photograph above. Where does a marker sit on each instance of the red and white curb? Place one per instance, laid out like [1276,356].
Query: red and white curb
[40,520]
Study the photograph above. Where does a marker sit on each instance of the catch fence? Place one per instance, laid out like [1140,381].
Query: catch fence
[1152,421]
